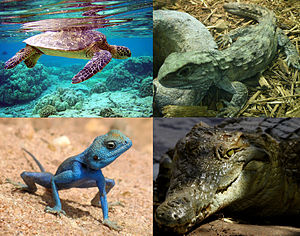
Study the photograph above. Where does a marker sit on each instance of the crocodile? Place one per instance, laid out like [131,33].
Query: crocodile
[244,166]
[253,48]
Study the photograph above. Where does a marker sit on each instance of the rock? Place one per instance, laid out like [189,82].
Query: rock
[61,141]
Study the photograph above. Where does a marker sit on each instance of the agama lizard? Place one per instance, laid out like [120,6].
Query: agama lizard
[81,171]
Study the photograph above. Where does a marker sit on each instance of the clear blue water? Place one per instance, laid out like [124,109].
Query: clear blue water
[125,23]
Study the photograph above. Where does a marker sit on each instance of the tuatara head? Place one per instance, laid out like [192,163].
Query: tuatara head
[188,70]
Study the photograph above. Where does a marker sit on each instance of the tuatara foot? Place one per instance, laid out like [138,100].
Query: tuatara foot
[55,210]
[20,186]
[224,40]
[294,61]
[112,225]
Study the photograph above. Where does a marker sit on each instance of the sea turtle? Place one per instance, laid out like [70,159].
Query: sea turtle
[82,44]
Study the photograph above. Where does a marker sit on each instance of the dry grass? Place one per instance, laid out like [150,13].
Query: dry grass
[277,93]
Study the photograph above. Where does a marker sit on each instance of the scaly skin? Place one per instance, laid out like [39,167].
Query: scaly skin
[242,165]
[82,171]
[255,47]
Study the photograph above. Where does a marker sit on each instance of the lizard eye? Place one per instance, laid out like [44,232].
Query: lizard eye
[110,145]
[96,158]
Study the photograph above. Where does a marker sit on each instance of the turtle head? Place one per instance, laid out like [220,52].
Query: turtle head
[120,52]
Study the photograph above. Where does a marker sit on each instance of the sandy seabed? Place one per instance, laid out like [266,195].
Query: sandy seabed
[22,213]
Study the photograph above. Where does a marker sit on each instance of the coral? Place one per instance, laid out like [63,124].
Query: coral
[108,112]
[146,87]
[130,73]
[20,84]
[47,110]
[99,88]
[62,99]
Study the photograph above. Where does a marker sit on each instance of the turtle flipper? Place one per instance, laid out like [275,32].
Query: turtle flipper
[96,64]
[21,55]
[32,60]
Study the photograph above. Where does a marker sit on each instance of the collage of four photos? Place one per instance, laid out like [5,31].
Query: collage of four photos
[156,117]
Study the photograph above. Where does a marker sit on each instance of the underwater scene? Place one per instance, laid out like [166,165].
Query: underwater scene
[80,59]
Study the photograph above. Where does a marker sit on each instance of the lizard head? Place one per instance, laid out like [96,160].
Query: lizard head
[188,70]
[105,149]
[213,169]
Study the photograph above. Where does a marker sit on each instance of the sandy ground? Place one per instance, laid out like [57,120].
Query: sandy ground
[22,213]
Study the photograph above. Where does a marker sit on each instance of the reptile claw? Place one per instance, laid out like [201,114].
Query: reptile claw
[112,225]
[55,210]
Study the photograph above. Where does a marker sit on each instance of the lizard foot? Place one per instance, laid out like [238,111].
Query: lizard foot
[20,186]
[55,210]
[112,225]
[110,204]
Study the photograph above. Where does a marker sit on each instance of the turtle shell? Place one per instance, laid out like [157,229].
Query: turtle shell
[75,40]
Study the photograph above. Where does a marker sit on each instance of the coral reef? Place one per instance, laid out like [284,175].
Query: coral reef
[130,73]
[20,84]
[62,99]
[146,87]
[47,110]
[99,88]
[108,112]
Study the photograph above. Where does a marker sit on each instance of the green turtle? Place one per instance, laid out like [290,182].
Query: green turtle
[82,44]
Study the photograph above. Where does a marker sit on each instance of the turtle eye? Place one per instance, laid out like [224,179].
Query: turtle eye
[96,158]
[110,145]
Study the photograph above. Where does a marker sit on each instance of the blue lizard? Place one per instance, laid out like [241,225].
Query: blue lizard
[81,171]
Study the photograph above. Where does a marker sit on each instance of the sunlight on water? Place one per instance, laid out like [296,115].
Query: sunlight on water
[119,19]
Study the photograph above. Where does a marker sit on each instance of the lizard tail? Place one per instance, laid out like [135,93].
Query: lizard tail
[36,160]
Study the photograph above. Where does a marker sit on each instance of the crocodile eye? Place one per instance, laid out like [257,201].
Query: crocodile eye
[185,71]
[110,145]
[96,158]
[230,152]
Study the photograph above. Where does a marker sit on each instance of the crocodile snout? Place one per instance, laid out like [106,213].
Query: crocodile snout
[175,214]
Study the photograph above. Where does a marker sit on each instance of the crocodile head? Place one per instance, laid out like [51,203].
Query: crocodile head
[213,169]
[188,70]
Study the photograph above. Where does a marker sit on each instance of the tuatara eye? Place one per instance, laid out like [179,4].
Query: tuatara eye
[110,145]
[185,71]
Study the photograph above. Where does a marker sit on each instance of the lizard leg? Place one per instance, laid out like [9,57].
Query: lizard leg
[239,98]
[290,50]
[62,180]
[57,208]
[95,65]
[33,178]
[109,184]
[101,186]
[19,57]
